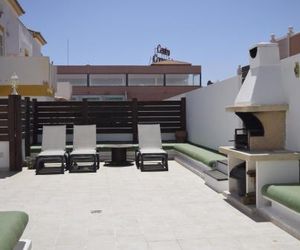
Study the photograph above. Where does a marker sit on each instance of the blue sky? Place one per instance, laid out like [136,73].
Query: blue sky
[215,34]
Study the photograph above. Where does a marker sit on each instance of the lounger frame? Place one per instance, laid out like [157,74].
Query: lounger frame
[149,136]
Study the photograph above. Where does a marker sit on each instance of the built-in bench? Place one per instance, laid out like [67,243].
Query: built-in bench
[287,195]
[211,166]
[200,154]
[284,206]
[12,226]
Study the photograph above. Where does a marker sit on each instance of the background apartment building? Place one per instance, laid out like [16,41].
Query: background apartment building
[158,81]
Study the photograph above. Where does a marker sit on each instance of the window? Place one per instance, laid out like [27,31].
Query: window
[145,80]
[75,80]
[108,80]
[182,79]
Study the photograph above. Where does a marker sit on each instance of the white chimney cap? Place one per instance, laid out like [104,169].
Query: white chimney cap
[262,85]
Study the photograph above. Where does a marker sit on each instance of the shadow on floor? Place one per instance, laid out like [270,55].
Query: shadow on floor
[253,215]
[5,174]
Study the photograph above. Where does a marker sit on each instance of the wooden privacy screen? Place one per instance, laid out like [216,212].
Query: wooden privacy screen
[24,119]
[4,120]
[12,128]
[109,117]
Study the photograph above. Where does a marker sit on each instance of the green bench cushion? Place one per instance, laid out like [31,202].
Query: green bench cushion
[199,154]
[286,194]
[12,226]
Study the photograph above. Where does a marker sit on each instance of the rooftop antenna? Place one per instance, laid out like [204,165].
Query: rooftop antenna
[67,51]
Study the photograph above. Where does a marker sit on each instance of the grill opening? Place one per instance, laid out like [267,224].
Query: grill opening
[252,127]
[251,123]
[241,138]
[253,52]
[238,174]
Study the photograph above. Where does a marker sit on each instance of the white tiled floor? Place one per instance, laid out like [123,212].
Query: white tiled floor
[123,208]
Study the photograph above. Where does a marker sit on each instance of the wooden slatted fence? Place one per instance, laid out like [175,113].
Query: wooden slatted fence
[4,120]
[109,117]
[24,119]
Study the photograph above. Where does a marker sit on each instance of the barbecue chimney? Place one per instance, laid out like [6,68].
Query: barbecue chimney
[261,102]
[262,85]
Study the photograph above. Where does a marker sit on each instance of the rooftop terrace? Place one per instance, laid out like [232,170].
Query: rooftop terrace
[123,208]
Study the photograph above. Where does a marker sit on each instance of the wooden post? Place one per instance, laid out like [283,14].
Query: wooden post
[27,126]
[84,112]
[15,133]
[134,120]
[35,122]
[183,113]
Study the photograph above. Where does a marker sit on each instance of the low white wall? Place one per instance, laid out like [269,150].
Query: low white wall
[63,90]
[4,155]
[208,123]
[30,70]
[291,86]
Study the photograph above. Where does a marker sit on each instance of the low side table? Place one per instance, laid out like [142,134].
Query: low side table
[119,155]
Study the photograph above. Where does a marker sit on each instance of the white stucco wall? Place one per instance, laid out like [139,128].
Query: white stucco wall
[176,98]
[208,123]
[25,41]
[36,48]
[30,70]
[10,22]
[17,38]
[291,86]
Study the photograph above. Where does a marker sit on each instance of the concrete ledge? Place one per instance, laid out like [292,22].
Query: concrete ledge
[219,183]
[282,216]
[196,167]
[202,170]
[249,210]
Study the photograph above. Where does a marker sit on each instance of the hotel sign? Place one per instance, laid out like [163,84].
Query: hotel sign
[161,54]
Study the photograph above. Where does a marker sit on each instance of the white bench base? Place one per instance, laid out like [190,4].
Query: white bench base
[199,169]
[218,185]
[195,166]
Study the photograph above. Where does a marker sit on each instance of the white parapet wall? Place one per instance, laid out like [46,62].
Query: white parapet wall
[291,85]
[30,70]
[4,155]
[271,172]
[208,123]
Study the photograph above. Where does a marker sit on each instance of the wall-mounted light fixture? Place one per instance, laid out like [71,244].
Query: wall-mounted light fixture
[14,80]
[297,69]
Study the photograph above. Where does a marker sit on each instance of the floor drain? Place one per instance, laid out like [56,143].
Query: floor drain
[97,211]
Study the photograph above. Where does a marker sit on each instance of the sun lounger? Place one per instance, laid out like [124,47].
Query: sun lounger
[84,156]
[150,148]
[53,151]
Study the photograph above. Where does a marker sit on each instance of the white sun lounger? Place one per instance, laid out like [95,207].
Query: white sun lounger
[84,155]
[150,148]
[53,150]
